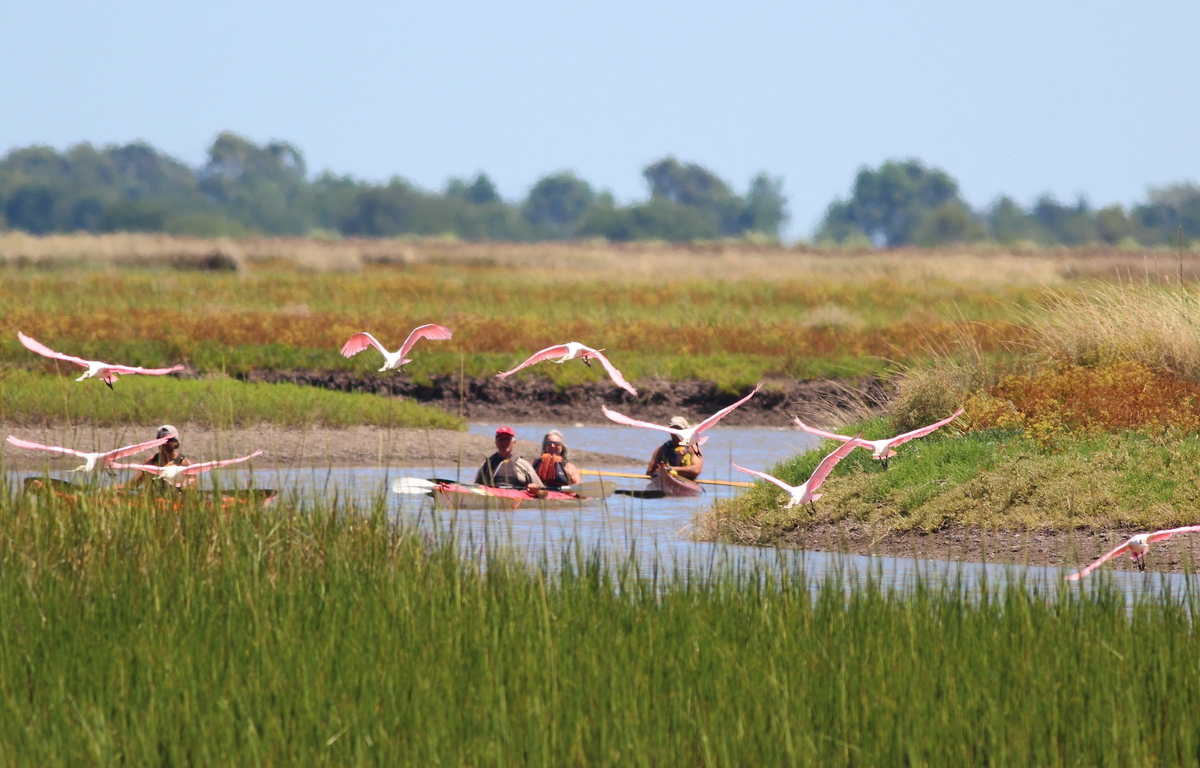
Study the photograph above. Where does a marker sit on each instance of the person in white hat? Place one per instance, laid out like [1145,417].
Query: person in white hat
[168,453]
[685,460]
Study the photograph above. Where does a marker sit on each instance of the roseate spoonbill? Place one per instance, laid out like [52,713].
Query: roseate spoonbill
[172,471]
[106,372]
[104,460]
[687,436]
[805,493]
[361,340]
[570,351]
[881,449]
[1137,546]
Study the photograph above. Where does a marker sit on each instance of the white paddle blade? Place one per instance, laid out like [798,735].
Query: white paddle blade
[413,485]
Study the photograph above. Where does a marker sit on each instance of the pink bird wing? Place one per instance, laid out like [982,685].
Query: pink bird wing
[430,331]
[1099,561]
[130,450]
[139,467]
[1162,535]
[36,346]
[621,418]
[127,369]
[39,447]
[360,341]
[614,374]
[195,469]
[898,439]
[823,433]
[829,462]
[768,478]
[725,411]
[556,351]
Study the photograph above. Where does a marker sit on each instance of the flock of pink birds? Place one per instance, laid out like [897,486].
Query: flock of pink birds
[805,493]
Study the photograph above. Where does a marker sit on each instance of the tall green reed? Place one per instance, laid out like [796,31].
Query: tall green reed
[135,634]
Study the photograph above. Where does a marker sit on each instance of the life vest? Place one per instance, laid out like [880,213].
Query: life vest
[675,455]
[504,473]
[553,470]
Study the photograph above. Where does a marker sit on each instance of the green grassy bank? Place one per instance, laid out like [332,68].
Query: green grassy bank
[991,479]
[330,637]
[29,398]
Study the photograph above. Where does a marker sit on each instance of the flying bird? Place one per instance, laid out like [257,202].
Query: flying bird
[689,436]
[91,460]
[106,372]
[173,471]
[361,340]
[1137,546]
[805,493]
[881,449]
[570,351]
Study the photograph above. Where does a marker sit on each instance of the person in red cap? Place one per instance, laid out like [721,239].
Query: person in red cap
[504,470]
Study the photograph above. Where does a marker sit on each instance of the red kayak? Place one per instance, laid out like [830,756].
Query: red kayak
[456,496]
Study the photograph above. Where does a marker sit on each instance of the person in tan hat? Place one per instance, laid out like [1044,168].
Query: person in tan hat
[168,453]
[503,469]
[686,461]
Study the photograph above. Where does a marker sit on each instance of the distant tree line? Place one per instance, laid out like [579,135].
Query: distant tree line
[246,188]
[905,203]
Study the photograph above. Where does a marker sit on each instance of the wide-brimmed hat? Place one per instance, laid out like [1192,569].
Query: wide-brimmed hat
[166,430]
[678,422]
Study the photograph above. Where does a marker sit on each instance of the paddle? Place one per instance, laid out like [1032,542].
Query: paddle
[601,473]
[595,489]
[413,485]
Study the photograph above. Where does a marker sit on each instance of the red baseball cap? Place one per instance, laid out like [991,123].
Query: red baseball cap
[505,431]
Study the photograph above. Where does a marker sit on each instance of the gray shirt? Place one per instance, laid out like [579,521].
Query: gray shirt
[513,472]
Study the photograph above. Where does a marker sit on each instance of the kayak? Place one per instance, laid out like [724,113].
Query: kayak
[448,495]
[667,484]
[71,493]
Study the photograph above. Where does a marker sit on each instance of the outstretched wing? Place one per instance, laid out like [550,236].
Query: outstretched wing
[1162,535]
[614,374]
[557,350]
[823,433]
[130,450]
[429,331]
[39,447]
[827,464]
[196,469]
[360,341]
[1099,561]
[152,469]
[124,369]
[898,439]
[621,418]
[724,411]
[36,346]
[768,478]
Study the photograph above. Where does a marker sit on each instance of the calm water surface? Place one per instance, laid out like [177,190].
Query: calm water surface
[655,531]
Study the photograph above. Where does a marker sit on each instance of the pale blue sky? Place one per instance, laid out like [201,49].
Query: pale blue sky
[1097,97]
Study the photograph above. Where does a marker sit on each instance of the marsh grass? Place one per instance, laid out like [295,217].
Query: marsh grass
[30,398]
[133,635]
[987,479]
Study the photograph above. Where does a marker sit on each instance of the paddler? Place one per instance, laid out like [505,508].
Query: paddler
[685,461]
[168,453]
[504,470]
[553,467]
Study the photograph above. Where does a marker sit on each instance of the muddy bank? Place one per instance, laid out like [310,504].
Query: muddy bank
[1055,549]
[287,447]
[535,399]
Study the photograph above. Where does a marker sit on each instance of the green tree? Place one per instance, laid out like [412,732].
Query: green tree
[693,186]
[557,202]
[889,203]
[765,209]
[951,222]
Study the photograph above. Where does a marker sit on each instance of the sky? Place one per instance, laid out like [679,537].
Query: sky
[1024,98]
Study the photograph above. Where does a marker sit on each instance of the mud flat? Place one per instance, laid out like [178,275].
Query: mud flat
[1050,548]
[288,447]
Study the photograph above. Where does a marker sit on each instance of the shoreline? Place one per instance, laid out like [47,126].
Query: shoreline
[1068,549]
[361,446]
